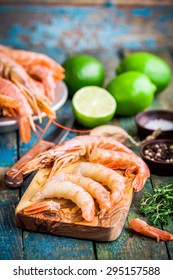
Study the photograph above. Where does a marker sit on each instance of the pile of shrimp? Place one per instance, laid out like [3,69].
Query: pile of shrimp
[86,170]
[95,176]
[27,86]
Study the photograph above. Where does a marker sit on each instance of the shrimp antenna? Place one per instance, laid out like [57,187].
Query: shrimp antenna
[69,128]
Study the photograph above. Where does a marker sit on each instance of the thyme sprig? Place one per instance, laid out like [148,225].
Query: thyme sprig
[158,206]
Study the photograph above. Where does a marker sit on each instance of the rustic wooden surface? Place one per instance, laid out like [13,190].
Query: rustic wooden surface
[91,2]
[58,32]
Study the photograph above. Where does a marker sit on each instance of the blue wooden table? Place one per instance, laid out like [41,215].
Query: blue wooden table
[107,32]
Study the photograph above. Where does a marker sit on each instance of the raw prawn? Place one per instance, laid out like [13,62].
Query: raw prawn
[143,228]
[72,151]
[106,176]
[133,165]
[41,207]
[95,189]
[70,191]
[23,109]
[14,72]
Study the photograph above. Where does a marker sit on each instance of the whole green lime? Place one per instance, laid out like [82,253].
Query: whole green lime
[153,66]
[133,92]
[83,70]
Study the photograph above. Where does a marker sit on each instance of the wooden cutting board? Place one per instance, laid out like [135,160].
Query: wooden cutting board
[68,220]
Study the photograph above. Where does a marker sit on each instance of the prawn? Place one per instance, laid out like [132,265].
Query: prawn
[10,91]
[121,160]
[95,189]
[14,72]
[41,207]
[68,190]
[29,59]
[72,151]
[106,176]
[39,66]
[142,227]
[45,76]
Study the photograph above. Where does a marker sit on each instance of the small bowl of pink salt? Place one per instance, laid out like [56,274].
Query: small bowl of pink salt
[155,120]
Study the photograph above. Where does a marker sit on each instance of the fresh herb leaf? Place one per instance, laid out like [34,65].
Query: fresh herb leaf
[158,206]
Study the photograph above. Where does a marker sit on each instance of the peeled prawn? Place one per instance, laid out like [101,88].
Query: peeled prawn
[23,109]
[134,166]
[70,191]
[142,227]
[106,176]
[95,189]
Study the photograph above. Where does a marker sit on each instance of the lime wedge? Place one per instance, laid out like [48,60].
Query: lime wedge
[93,106]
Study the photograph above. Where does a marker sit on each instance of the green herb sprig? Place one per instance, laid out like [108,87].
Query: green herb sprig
[158,206]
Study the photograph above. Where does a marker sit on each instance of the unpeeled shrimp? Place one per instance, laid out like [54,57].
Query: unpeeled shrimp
[72,151]
[39,66]
[70,191]
[95,189]
[9,90]
[28,59]
[14,72]
[106,176]
[134,166]
[44,75]
[94,141]
[142,227]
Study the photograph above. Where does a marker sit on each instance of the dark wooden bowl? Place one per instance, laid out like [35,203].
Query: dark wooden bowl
[143,118]
[160,168]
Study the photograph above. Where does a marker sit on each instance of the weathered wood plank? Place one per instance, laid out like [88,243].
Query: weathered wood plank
[67,29]
[10,237]
[90,2]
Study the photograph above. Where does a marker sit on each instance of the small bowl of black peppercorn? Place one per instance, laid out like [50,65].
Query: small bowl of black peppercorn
[158,155]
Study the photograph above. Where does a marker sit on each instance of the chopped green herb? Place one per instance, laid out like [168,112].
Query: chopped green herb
[158,206]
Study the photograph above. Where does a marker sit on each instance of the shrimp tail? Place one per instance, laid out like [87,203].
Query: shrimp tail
[142,227]
[138,182]
[41,207]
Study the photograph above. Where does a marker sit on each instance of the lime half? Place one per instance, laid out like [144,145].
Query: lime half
[93,106]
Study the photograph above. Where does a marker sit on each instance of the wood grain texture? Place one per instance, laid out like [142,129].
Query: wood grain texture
[63,30]
[90,2]
[10,237]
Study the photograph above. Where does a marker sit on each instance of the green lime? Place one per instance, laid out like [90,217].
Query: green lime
[81,71]
[133,92]
[153,66]
[93,106]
